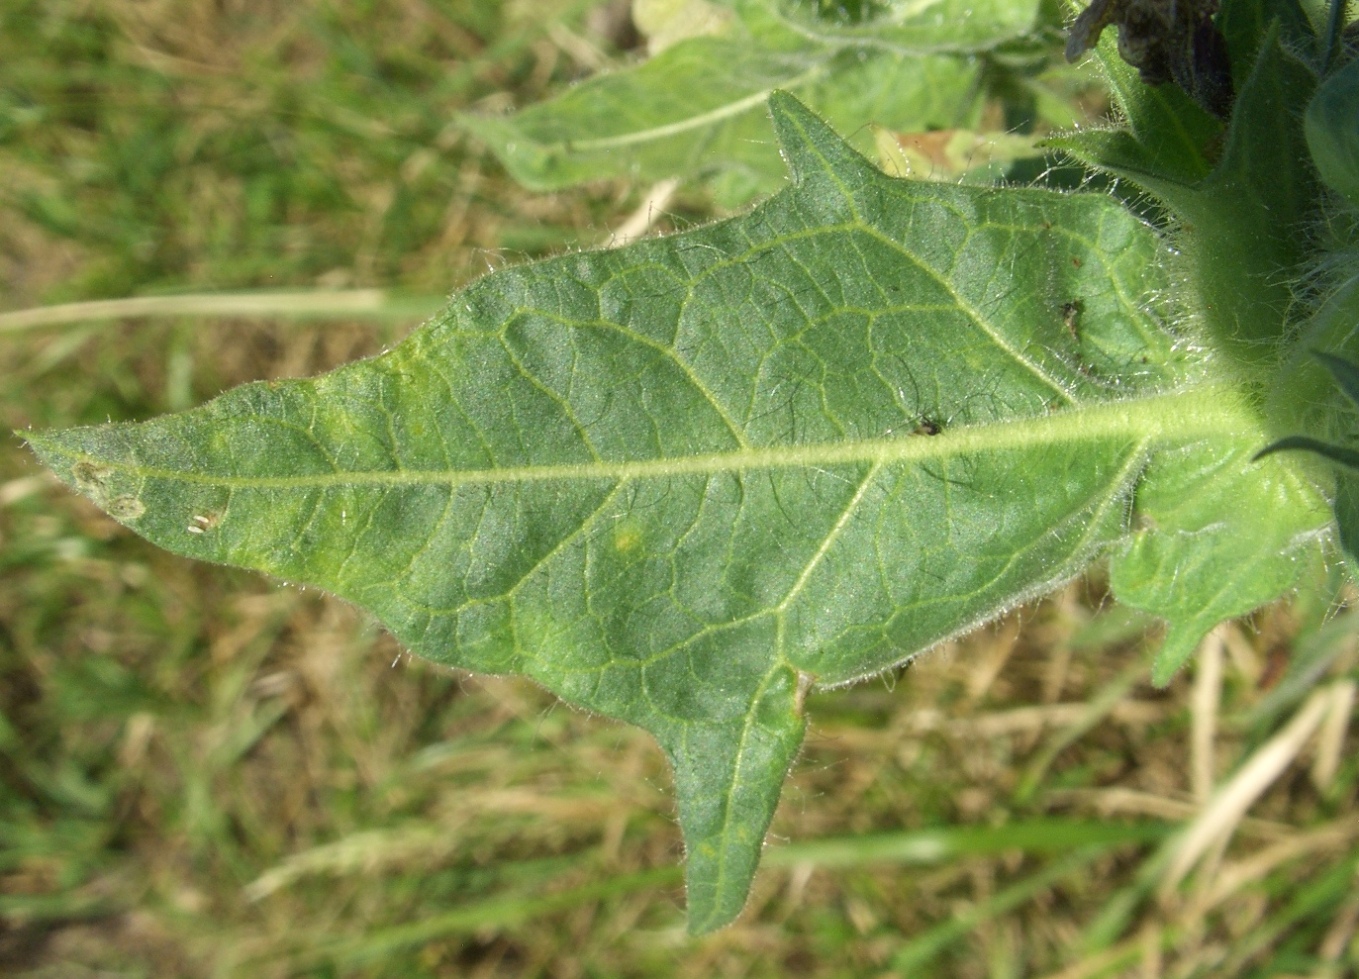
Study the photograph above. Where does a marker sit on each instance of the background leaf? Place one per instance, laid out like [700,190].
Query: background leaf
[695,108]
[681,482]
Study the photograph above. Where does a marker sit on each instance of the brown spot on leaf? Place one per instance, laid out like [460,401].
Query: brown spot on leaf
[1071,317]
[90,477]
[125,508]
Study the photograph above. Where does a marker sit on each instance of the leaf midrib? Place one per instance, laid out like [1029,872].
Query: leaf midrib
[689,123]
[1215,410]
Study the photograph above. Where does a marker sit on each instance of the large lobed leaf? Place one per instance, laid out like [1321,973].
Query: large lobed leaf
[681,482]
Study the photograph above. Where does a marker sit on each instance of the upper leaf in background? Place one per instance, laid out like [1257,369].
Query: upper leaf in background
[696,106]
[911,27]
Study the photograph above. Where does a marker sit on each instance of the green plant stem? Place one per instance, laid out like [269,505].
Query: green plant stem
[326,304]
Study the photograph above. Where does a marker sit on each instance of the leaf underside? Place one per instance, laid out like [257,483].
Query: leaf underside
[677,483]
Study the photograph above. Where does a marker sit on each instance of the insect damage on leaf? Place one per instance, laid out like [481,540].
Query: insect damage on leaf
[126,508]
[1071,317]
[92,479]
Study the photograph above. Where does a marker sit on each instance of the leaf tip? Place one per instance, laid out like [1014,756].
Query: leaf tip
[1177,648]
[728,777]
[1344,372]
[808,143]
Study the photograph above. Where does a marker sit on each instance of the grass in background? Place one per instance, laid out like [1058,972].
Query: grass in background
[203,773]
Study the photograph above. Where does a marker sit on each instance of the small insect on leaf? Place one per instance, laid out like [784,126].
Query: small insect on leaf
[203,523]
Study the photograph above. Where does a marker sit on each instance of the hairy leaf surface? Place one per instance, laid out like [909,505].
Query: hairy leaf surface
[1241,220]
[680,482]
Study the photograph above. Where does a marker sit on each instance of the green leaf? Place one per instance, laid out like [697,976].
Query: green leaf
[1345,372]
[1346,376]
[1167,140]
[1250,210]
[1318,394]
[1247,25]
[1218,537]
[696,108]
[1332,128]
[1318,384]
[911,28]
[681,482]
[1347,515]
